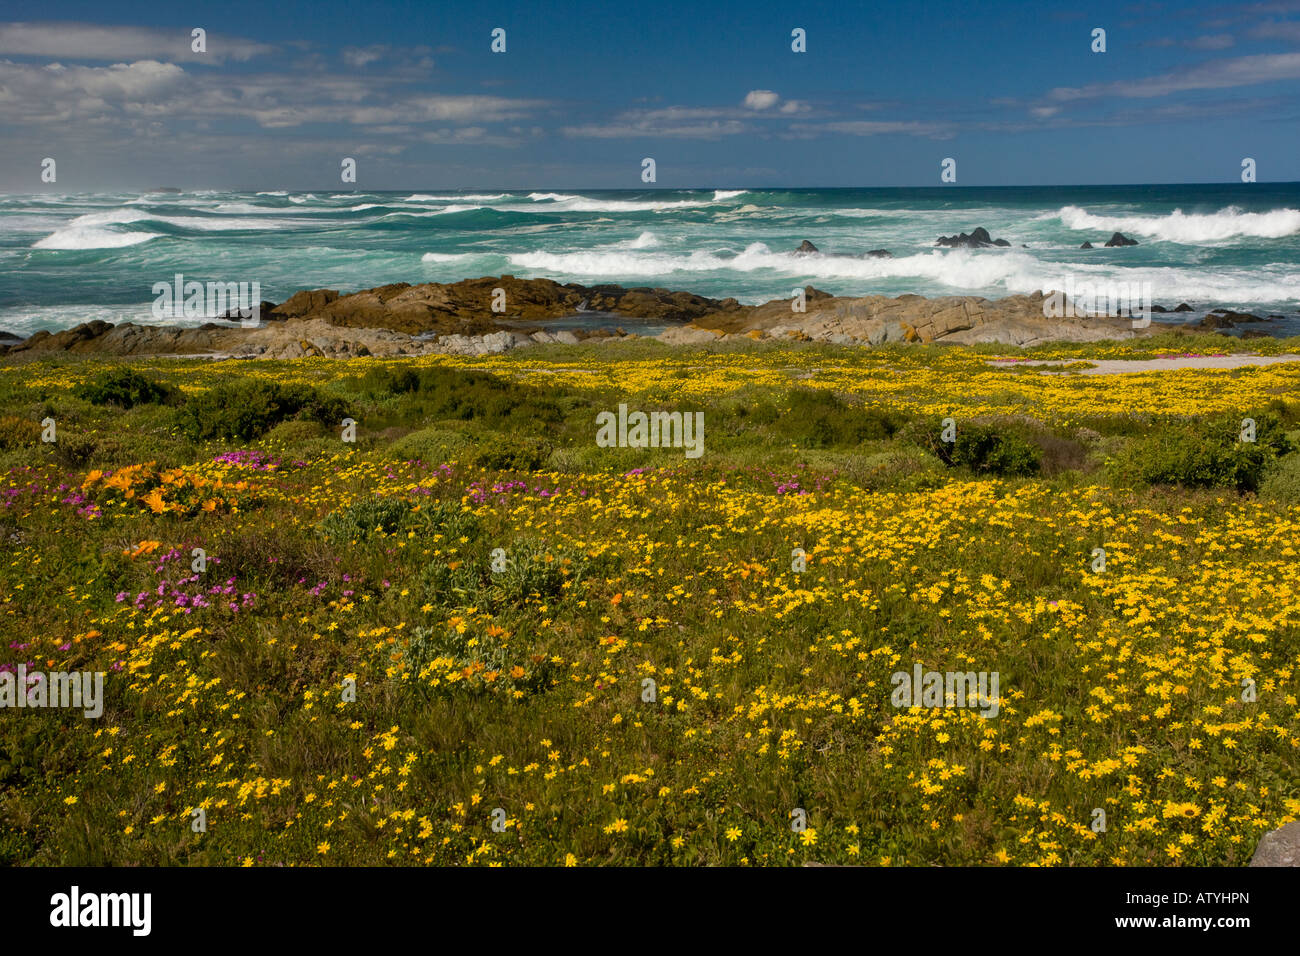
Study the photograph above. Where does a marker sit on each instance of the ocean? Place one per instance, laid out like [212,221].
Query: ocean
[66,259]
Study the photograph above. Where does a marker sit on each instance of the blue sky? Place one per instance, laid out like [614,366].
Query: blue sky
[585,91]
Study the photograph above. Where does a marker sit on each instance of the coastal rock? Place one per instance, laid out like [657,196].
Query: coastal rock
[465,307]
[1234,317]
[807,248]
[1086,245]
[305,303]
[1279,848]
[1183,307]
[1119,239]
[978,239]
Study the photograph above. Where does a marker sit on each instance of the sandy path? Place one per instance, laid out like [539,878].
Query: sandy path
[1123,366]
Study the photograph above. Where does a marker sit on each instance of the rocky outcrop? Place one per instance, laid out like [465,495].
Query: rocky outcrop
[871,320]
[1119,239]
[466,307]
[1086,245]
[806,247]
[316,323]
[1183,307]
[978,239]
[1279,848]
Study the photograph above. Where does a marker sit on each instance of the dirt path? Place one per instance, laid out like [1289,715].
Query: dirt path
[1164,364]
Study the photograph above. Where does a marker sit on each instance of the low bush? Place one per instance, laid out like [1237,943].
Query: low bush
[1204,453]
[248,409]
[125,388]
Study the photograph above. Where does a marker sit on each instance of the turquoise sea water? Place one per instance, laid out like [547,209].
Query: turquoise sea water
[65,259]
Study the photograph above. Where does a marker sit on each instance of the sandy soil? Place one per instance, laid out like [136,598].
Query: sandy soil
[1173,362]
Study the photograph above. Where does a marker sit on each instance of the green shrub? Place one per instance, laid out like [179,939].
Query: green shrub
[449,394]
[816,418]
[1206,453]
[433,446]
[248,409]
[449,519]
[365,516]
[1283,481]
[512,454]
[18,432]
[125,388]
[1001,450]
[532,571]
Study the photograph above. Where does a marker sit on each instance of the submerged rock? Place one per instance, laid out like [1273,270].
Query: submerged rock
[1119,239]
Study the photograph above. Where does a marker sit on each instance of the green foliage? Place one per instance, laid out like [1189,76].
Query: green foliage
[533,572]
[512,454]
[816,418]
[249,408]
[366,516]
[1204,453]
[449,394]
[1283,481]
[1000,450]
[125,388]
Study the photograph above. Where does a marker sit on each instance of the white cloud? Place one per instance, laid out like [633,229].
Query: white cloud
[761,99]
[1216,74]
[89,41]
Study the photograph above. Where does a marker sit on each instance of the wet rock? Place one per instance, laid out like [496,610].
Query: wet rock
[978,239]
[806,247]
[1183,307]
[1086,245]
[1119,239]
[880,254]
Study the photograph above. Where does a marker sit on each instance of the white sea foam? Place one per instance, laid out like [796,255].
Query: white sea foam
[1011,272]
[1181,227]
[471,197]
[447,256]
[722,195]
[568,202]
[647,240]
[96,230]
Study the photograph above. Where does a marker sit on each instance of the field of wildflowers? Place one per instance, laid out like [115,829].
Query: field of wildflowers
[473,636]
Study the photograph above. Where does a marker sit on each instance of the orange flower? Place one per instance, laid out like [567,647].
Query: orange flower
[155,501]
[516,672]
